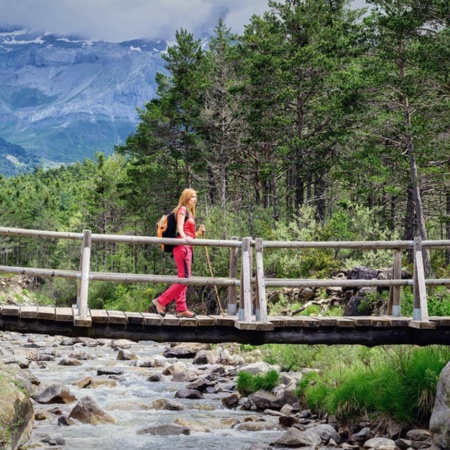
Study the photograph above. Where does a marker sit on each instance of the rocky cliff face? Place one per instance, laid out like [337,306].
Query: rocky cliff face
[62,98]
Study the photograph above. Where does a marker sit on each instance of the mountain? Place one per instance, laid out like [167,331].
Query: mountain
[15,160]
[63,98]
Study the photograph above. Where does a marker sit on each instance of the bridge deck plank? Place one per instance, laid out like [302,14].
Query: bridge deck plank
[277,321]
[188,322]
[134,317]
[171,319]
[28,312]
[151,319]
[440,321]
[422,324]
[264,326]
[399,321]
[81,321]
[205,321]
[225,321]
[243,325]
[46,312]
[10,310]
[302,321]
[370,321]
[344,322]
[99,316]
[117,317]
[63,314]
[327,321]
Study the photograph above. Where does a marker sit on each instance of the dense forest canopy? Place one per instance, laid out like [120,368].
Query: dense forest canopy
[318,122]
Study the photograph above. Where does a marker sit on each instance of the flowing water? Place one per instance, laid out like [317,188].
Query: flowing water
[134,389]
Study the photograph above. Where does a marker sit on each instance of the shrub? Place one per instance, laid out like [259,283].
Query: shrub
[247,383]
[399,385]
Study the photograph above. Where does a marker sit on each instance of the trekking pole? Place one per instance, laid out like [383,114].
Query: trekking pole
[212,276]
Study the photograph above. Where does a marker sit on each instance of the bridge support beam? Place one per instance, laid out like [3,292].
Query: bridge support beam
[420,311]
[245,304]
[82,300]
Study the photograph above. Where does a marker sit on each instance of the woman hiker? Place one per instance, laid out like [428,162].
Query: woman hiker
[185,215]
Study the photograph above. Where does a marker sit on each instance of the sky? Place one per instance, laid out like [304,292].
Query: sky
[121,20]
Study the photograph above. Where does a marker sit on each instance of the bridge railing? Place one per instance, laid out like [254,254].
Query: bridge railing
[252,305]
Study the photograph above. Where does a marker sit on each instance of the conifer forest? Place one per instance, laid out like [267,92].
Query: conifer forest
[319,122]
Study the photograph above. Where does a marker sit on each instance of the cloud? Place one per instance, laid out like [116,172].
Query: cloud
[119,20]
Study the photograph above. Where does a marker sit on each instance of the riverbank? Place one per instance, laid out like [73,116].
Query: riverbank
[119,394]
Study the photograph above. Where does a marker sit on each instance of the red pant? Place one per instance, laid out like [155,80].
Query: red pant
[183,259]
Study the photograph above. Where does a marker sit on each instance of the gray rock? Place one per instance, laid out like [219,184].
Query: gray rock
[126,355]
[206,357]
[154,378]
[54,439]
[88,411]
[191,394]
[171,405]
[296,438]
[55,393]
[326,432]
[231,400]
[419,435]
[378,442]
[440,417]
[110,371]
[165,430]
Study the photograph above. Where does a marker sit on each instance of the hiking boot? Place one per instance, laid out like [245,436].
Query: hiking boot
[158,308]
[186,314]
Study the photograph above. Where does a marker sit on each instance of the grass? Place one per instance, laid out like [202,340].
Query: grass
[399,384]
[385,382]
[247,383]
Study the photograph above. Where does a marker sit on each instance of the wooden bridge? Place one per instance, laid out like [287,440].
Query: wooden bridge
[246,320]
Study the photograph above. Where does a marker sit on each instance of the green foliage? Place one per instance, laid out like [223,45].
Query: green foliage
[400,384]
[247,383]
[438,301]
[300,263]
[291,357]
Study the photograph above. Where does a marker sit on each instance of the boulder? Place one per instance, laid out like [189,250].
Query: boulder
[296,438]
[164,403]
[88,411]
[231,400]
[126,355]
[440,417]
[55,393]
[206,357]
[165,430]
[16,414]
[379,442]
[326,432]
[191,394]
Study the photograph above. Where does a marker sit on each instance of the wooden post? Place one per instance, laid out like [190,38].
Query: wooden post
[245,304]
[261,304]
[394,308]
[232,297]
[420,311]
[85,267]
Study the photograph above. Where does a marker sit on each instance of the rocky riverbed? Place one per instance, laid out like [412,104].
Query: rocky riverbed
[120,395]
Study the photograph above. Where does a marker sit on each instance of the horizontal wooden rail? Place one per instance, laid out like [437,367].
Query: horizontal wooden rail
[249,279]
[120,277]
[363,245]
[125,239]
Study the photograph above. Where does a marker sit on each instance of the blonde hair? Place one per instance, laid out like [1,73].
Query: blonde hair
[185,196]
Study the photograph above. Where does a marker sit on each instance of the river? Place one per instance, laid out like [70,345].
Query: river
[129,402]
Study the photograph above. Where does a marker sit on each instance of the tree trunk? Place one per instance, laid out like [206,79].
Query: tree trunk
[421,229]
[447,226]
[319,198]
